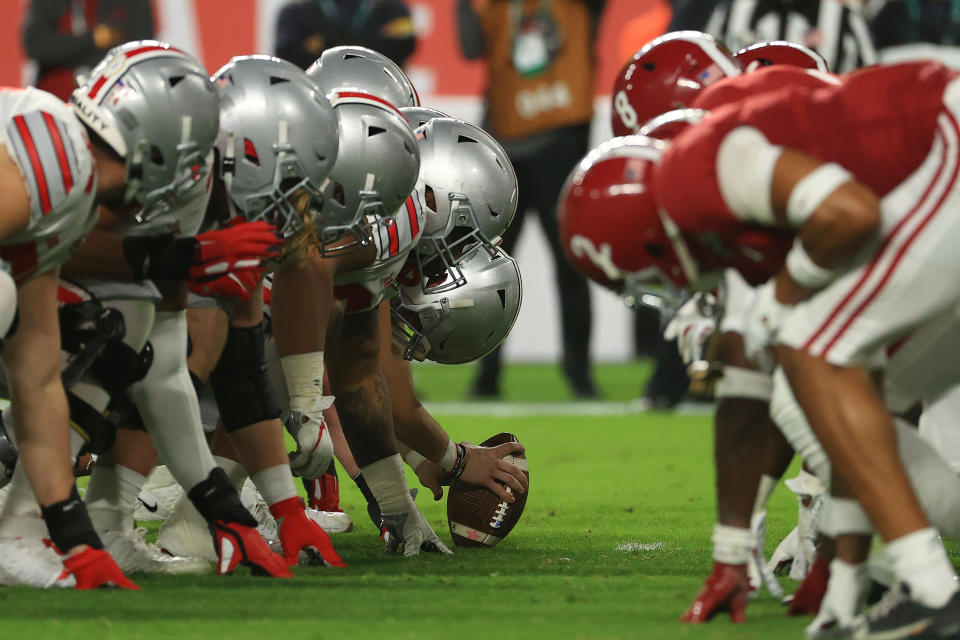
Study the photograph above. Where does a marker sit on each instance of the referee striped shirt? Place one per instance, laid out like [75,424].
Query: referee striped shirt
[835,28]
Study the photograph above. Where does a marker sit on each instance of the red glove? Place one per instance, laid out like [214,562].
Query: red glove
[94,568]
[237,284]
[239,544]
[727,589]
[298,532]
[808,596]
[241,245]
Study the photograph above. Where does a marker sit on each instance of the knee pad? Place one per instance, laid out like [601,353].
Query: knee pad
[8,305]
[789,417]
[120,366]
[240,382]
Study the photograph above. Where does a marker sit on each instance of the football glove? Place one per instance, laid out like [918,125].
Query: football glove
[94,569]
[238,544]
[846,595]
[298,532]
[238,284]
[691,329]
[410,533]
[727,589]
[759,573]
[314,444]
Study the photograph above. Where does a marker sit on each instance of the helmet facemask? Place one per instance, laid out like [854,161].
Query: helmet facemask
[190,169]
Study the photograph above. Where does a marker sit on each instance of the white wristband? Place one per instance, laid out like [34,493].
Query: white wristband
[303,373]
[804,270]
[449,457]
[388,484]
[812,190]
[413,459]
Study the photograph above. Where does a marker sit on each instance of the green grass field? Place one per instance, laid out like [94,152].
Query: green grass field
[614,543]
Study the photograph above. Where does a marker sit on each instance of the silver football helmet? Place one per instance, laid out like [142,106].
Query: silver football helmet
[466,323]
[365,70]
[278,136]
[419,116]
[375,172]
[156,108]
[469,191]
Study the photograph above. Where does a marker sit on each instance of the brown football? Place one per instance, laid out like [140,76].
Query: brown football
[477,517]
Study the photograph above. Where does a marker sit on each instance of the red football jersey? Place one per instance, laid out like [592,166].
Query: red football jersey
[879,124]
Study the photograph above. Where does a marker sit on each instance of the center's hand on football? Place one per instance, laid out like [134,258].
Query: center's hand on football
[486,467]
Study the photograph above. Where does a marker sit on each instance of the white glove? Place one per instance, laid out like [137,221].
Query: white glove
[692,329]
[761,325]
[314,445]
[412,532]
[846,593]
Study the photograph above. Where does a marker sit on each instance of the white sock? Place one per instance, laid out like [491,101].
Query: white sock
[20,500]
[731,545]
[112,495]
[234,470]
[168,403]
[275,483]
[920,561]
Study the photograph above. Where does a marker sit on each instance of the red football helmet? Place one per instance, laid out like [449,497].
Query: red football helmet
[765,54]
[611,228]
[666,74]
[669,125]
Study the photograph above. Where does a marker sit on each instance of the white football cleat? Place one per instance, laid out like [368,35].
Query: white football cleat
[32,562]
[158,496]
[185,533]
[135,555]
[331,521]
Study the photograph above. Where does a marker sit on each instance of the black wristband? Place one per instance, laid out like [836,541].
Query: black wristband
[461,464]
[160,256]
[69,524]
[216,499]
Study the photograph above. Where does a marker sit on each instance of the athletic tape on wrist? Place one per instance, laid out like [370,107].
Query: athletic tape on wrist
[731,545]
[449,456]
[303,373]
[738,382]
[413,459]
[804,270]
[388,484]
[812,190]
[844,515]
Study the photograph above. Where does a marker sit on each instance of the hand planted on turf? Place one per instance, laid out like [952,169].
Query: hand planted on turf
[314,444]
[727,589]
[411,533]
[94,569]
[240,544]
[486,468]
[298,532]
[846,595]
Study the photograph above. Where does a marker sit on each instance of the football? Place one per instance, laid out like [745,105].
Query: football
[477,517]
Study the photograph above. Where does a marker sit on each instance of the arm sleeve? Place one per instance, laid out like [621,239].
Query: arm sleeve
[42,40]
[470,31]
[745,164]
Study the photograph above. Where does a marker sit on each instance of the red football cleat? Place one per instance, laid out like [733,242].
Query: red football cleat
[808,596]
[298,532]
[95,569]
[239,544]
[727,589]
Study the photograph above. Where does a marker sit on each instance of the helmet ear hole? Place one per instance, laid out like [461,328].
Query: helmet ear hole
[656,250]
[649,66]
[373,131]
[338,194]
[156,156]
[175,80]
[431,198]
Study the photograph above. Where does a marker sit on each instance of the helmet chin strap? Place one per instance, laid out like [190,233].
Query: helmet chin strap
[687,263]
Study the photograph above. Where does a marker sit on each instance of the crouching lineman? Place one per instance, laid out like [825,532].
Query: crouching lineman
[841,221]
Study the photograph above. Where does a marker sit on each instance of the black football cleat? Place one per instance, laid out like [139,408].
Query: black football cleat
[898,616]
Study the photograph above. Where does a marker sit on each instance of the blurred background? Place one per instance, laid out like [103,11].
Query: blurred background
[62,34]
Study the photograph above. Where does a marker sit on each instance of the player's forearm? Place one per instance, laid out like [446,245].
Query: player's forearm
[99,256]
